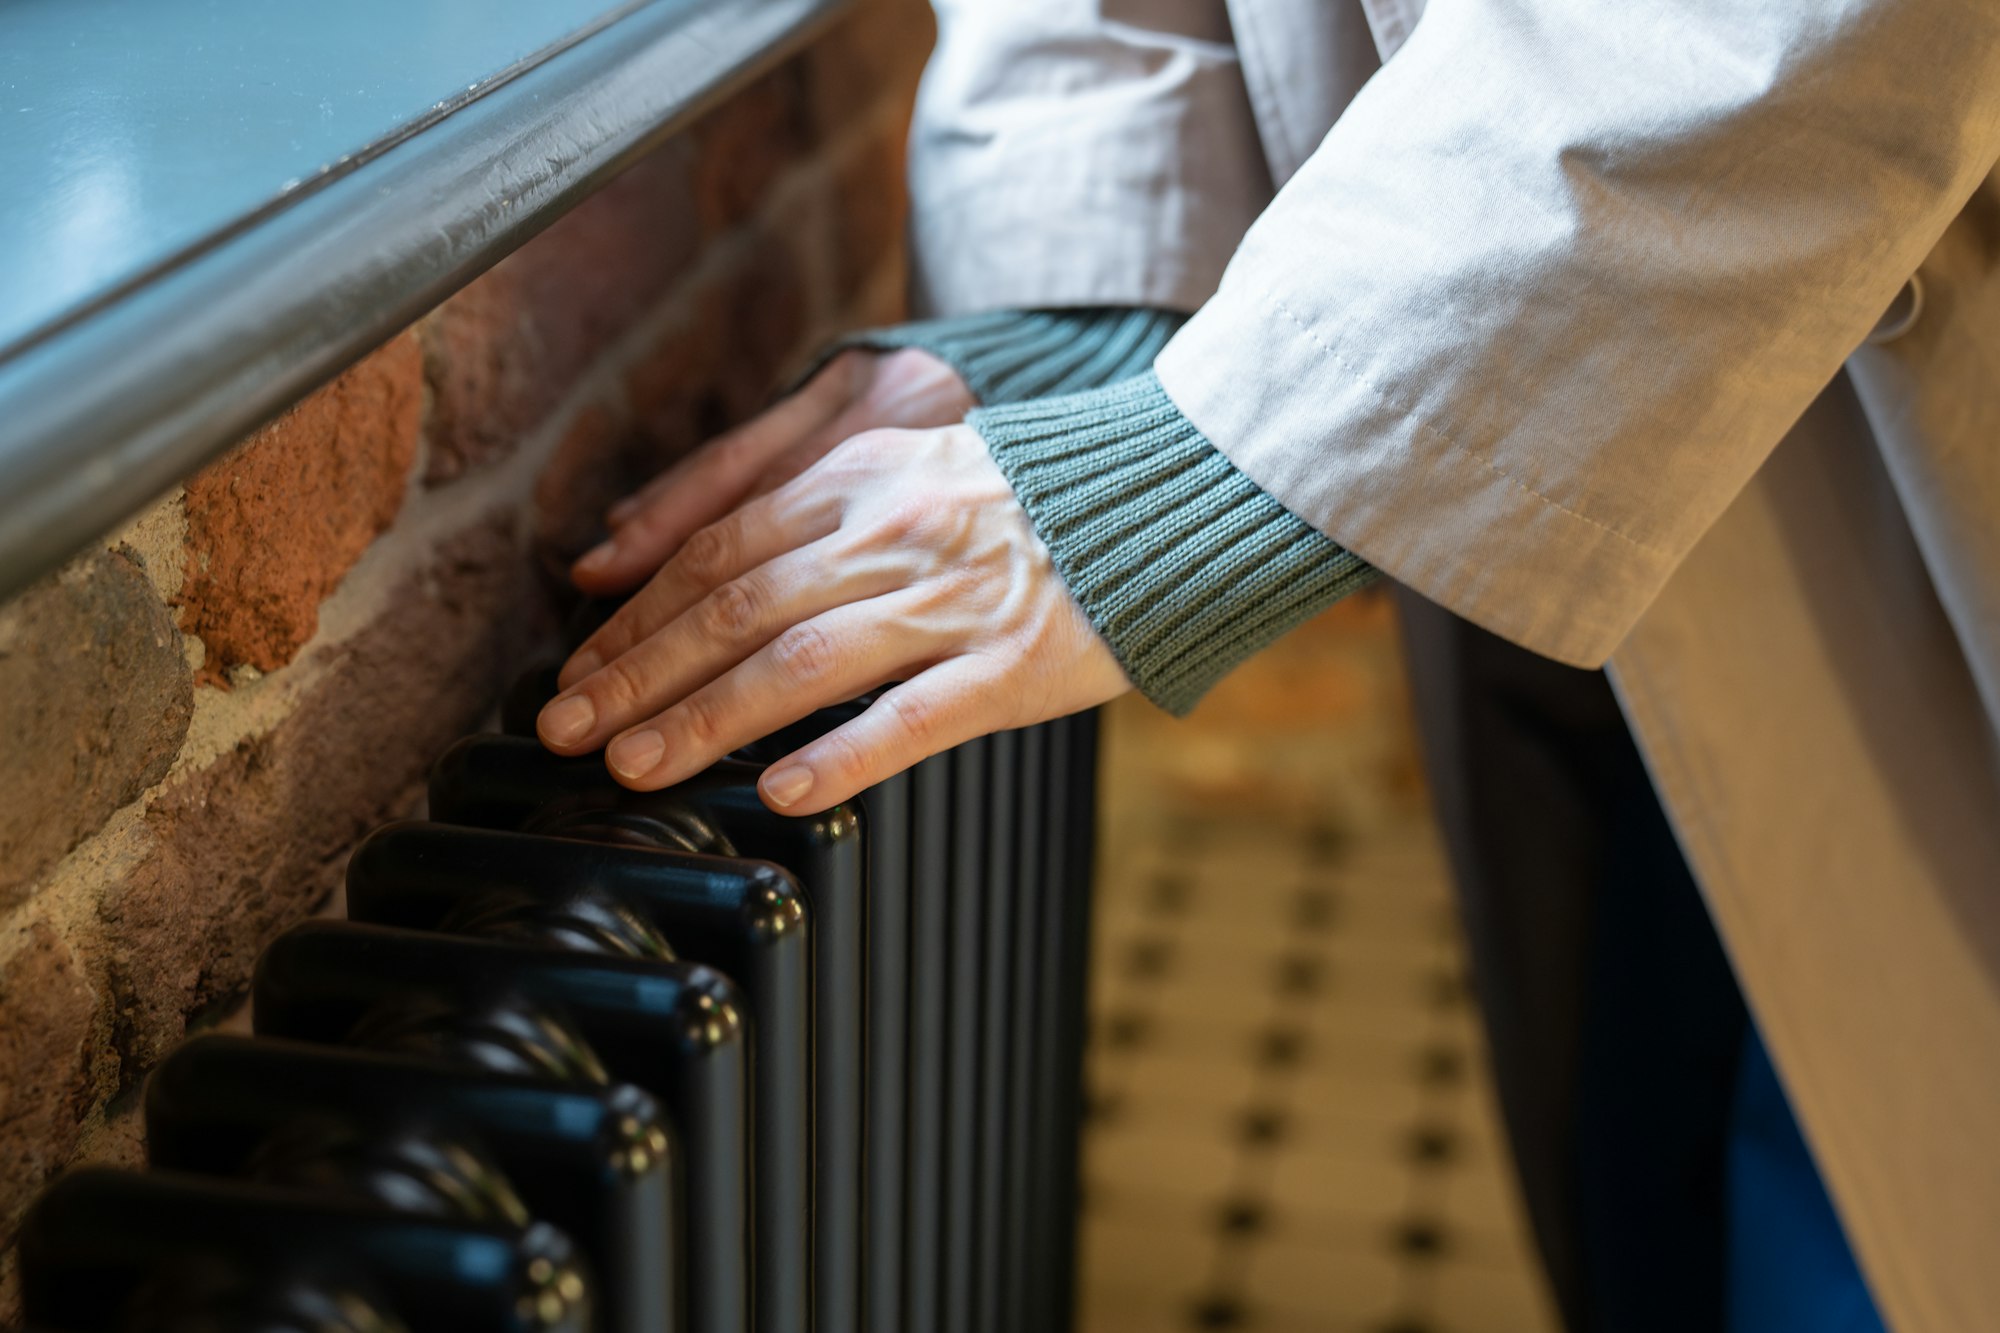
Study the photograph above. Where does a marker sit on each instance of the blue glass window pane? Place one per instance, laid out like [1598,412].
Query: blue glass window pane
[131,130]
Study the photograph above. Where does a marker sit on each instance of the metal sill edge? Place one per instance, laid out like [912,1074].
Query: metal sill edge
[103,417]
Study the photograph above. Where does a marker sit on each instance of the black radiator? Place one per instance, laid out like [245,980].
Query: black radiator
[583,1058]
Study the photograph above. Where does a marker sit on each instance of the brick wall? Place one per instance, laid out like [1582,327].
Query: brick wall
[202,715]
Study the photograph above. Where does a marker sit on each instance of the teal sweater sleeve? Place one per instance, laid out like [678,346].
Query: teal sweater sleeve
[1006,356]
[1183,564]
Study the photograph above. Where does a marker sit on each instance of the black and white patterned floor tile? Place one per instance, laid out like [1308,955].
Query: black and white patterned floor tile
[1289,1119]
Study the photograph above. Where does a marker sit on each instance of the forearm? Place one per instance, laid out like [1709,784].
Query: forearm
[1563,275]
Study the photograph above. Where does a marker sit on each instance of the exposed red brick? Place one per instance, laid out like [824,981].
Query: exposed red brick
[503,352]
[672,393]
[680,365]
[885,299]
[95,697]
[875,52]
[745,144]
[871,200]
[589,277]
[756,312]
[724,361]
[51,1033]
[719,368]
[273,527]
[596,463]
[250,843]
[486,389]
[243,847]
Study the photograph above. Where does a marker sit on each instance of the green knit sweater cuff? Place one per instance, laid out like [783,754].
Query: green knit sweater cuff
[1008,356]
[1184,565]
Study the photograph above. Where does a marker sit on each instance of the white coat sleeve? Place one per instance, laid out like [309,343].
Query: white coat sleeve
[1080,152]
[1565,272]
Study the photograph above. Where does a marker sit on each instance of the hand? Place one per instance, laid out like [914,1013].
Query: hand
[854,392]
[901,556]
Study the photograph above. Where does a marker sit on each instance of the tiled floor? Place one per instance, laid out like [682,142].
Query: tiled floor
[1290,1121]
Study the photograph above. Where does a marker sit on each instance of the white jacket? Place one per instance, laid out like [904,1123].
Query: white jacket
[1547,319]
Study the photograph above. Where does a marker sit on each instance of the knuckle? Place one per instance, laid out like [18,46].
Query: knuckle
[617,634]
[732,613]
[603,647]
[805,654]
[709,553]
[909,519]
[916,717]
[839,756]
[701,721]
[847,373]
[869,449]
[909,361]
[620,683]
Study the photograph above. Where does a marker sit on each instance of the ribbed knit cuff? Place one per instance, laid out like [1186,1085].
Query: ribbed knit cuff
[1184,565]
[1008,356]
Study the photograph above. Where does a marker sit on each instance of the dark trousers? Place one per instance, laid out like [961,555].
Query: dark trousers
[1615,1024]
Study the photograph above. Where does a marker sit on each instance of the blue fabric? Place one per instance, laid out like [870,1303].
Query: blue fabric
[1790,1268]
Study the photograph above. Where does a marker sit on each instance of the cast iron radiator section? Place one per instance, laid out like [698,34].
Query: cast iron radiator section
[583,1058]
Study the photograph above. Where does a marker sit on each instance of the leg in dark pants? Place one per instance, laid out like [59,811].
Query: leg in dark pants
[1615,1024]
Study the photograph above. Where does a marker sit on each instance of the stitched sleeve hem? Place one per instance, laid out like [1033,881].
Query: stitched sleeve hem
[1182,563]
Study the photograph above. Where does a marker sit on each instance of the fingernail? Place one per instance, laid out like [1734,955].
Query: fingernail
[636,755]
[581,664]
[567,721]
[788,785]
[621,511]
[596,558]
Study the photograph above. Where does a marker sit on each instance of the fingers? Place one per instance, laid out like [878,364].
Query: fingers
[650,525]
[761,530]
[945,706]
[825,660]
[910,389]
[791,463]
[717,633]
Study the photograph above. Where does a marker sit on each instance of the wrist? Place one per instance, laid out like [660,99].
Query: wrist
[1183,564]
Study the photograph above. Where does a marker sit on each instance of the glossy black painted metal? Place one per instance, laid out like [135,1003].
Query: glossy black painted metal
[676,1029]
[886,818]
[885,824]
[998,1007]
[965,986]
[506,782]
[105,1250]
[748,919]
[1042,1016]
[598,1163]
[1072,1018]
[901,982]
[1020,1230]
[930,909]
